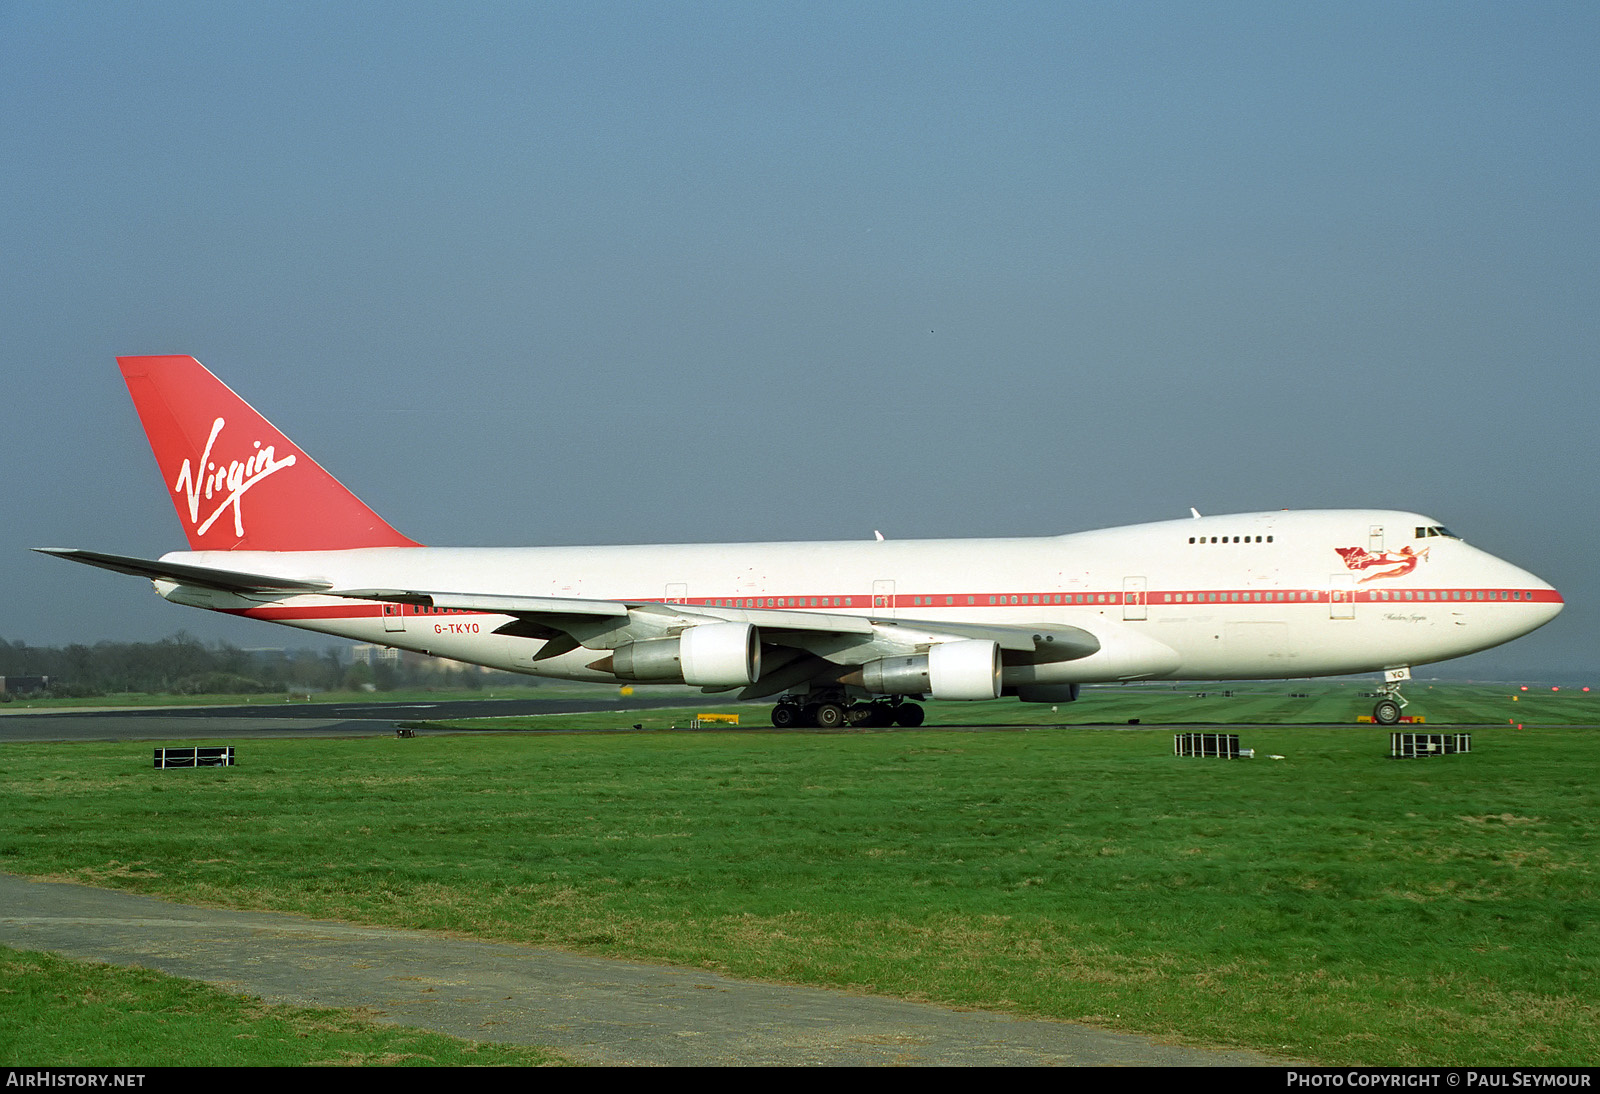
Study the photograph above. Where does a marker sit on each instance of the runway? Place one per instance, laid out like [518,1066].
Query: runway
[291,719]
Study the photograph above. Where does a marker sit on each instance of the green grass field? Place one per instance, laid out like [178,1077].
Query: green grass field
[1333,905]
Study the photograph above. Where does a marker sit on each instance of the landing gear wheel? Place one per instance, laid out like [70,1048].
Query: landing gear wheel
[829,716]
[908,715]
[1390,701]
[785,715]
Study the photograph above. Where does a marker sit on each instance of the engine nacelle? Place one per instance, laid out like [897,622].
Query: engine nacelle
[967,669]
[710,655]
[721,653]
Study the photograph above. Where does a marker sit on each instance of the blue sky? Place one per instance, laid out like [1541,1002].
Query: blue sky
[568,273]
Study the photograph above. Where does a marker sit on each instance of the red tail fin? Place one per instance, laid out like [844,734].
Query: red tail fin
[238,484]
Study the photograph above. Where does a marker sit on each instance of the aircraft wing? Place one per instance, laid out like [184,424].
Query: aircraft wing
[775,624]
[818,641]
[531,606]
[802,645]
[794,627]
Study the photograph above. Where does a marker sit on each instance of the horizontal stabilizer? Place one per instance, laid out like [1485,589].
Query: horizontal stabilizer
[230,581]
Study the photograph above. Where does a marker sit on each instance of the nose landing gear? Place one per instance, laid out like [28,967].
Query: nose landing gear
[1390,702]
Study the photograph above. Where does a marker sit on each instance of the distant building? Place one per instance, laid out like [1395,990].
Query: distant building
[368,655]
[21,685]
[365,654]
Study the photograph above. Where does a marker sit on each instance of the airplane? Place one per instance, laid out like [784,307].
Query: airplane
[836,633]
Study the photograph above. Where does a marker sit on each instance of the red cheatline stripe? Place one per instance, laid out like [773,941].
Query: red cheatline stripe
[856,604]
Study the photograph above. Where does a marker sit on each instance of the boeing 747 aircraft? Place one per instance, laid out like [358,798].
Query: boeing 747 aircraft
[836,633]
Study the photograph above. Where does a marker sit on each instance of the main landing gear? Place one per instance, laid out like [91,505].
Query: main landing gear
[835,713]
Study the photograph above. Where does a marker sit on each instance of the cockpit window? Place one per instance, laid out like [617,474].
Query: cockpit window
[1435,530]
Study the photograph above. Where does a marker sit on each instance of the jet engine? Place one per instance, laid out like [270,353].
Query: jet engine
[965,669]
[710,655]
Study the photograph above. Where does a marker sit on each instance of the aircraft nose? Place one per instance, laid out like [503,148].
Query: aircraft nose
[1524,601]
[1541,601]
[1547,601]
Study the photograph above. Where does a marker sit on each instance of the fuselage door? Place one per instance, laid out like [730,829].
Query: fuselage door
[1341,596]
[1133,598]
[392,619]
[883,599]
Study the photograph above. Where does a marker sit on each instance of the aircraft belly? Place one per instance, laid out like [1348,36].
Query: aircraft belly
[1125,653]
[1217,648]
[518,656]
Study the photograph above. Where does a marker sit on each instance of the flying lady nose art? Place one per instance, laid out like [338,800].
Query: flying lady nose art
[1403,561]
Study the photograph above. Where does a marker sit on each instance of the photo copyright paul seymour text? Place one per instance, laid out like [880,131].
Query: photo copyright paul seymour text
[1439,1079]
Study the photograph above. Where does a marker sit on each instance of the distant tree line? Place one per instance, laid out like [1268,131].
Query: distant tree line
[183,665]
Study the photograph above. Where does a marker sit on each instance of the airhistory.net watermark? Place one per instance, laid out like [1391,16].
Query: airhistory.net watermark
[51,1079]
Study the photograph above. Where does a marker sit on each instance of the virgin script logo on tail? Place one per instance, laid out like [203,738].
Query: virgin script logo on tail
[226,483]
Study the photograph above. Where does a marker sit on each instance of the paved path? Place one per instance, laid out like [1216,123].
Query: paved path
[594,1010]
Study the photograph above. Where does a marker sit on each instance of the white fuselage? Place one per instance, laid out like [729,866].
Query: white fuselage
[1258,595]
